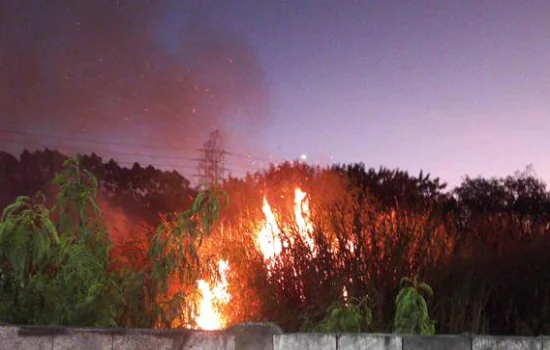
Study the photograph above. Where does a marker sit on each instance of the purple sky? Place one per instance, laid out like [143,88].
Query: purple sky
[451,87]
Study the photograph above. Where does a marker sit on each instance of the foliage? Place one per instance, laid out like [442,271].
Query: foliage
[353,316]
[387,244]
[56,264]
[483,244]
[57,273]
[411,314]
[174,255]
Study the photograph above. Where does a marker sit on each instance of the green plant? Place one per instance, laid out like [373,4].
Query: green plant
[57,272]
[353,316]
[56,268]
[174,256]
[411,314]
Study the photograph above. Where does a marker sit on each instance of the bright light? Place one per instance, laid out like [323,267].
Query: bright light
[209,317]
[303,157]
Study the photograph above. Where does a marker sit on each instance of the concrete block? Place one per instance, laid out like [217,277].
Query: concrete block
[173,339]
[215,340]
[137,340]
[89,339]
[437,342]
[506,343]
[10,338]
[350,341]
[254,336]
[304,341]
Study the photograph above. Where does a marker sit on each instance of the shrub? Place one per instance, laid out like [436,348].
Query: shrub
[411,315]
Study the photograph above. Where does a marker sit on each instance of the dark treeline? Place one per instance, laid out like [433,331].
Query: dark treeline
[141,191]
[482,246]
[131,198]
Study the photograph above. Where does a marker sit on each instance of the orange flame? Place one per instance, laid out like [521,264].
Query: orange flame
[210,316]
[269,237]
[270,245]
[303,221]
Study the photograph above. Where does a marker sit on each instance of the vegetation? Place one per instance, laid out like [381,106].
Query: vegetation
[56,266]
[175,258]
[352,316]
[481,246]
[411,314]
[57,272]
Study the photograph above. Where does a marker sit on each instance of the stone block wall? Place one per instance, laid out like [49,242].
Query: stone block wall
[395,342]
[248,336]
[244,336]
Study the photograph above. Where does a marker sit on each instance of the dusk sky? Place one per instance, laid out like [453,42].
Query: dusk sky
[450,87]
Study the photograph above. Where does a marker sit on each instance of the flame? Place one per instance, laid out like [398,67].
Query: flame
[302,214]
[210,316]
[269,237]
[270,244]
[345,294]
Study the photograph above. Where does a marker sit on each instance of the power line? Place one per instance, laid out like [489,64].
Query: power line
[78,149]
[110,143]
[215,170]
[69,138]
[94,150]
[188,165]
[133,154]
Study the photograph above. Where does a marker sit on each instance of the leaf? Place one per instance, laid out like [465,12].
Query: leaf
[411,315]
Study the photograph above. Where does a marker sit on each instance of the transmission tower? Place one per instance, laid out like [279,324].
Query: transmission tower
[211,168]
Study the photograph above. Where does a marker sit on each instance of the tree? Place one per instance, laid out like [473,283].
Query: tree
[497,213]
[56,266]
[174,258]
[395,188]
[57,272]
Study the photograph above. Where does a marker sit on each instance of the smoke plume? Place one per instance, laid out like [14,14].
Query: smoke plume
[153,72]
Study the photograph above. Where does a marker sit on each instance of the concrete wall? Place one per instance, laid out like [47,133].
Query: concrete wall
[394,342]
[246,337]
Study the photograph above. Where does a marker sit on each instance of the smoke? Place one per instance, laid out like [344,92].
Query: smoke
[153,72]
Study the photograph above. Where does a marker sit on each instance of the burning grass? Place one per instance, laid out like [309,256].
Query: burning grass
[302,251]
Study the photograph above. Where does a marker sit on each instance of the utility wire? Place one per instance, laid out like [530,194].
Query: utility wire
[143,162]
[110,143]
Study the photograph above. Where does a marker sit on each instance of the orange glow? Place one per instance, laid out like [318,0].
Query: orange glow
[210,316]
[269,237]
[302,214]
[270,244]
[345,295]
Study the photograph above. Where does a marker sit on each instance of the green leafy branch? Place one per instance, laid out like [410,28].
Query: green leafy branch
[174,252]
[353,316]
[411,315]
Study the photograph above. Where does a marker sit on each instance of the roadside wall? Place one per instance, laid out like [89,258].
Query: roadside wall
[248,336]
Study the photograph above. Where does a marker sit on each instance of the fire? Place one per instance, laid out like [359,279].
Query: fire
[210,316]
[269,238]
[302,214]
[270,245]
